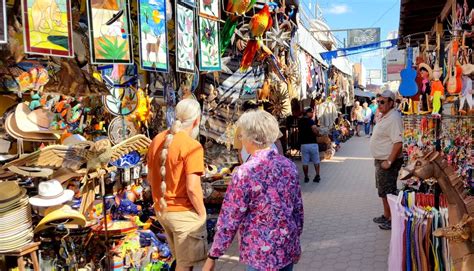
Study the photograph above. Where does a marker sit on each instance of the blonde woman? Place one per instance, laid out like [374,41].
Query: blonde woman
[176,163]
[263,202]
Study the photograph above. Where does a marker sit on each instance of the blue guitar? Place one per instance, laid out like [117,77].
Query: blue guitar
[408,86]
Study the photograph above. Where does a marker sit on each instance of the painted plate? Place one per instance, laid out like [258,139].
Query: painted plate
[121,101]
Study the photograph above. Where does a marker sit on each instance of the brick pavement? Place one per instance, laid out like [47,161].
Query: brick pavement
[338,232]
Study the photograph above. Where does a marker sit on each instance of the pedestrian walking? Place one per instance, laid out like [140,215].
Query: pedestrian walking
[308,131]
[386,148]
[374,108]
[263,203]
[357,117]
[367,114]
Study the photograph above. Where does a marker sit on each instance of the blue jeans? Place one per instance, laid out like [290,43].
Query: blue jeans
[367,128]
[286,268]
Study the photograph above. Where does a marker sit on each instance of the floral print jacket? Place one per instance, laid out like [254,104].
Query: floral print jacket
[263,202]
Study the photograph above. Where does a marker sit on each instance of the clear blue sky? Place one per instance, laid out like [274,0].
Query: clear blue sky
[340,14]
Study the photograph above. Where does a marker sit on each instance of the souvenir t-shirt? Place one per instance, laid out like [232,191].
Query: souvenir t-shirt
[185,156]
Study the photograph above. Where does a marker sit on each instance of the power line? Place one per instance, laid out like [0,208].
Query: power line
[385,13]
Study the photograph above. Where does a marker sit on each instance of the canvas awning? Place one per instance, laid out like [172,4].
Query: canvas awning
[359,92]
[308,43]
[343,64]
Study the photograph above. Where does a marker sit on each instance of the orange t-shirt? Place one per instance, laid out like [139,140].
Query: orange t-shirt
[185,156]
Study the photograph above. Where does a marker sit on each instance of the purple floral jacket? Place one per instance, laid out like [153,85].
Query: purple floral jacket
[264,203]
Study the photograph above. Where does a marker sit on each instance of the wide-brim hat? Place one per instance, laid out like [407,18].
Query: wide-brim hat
[10,193]
[51,193]
[12,129]
[426,67]
[16,241]
[34,121]
[59,215]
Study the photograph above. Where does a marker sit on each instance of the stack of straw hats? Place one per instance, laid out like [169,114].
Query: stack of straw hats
[15,217]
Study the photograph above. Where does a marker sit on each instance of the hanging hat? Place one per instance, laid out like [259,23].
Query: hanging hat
[10,193]
[37,121]
[62,214]
[427,68]
[4,148]
[12,129]
[74,139]
[467,69]
[51,193]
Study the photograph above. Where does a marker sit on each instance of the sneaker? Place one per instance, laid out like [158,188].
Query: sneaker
[317,179]
[387,225]
[306,179]
[380,219]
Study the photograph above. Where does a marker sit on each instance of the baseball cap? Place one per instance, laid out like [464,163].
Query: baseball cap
[388,94]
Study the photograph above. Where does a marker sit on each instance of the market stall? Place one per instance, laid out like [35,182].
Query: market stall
[86,85]
[436,203]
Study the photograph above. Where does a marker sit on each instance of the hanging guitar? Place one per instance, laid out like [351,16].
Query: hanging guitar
[408,86]
[454,84]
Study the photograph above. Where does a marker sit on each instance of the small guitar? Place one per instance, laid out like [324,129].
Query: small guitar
[408,86]
[454,85]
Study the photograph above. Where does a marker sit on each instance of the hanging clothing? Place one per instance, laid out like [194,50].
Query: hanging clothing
[303,73]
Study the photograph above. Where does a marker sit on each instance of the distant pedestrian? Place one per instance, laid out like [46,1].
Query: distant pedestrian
[309,146]
[367,114]
[386,148]
[357,117]
[373,107]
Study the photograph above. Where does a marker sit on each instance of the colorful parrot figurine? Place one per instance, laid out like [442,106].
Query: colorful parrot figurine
[259,24]
[236,8]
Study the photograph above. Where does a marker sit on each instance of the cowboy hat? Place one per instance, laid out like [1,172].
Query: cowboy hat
[12,129]
[62,214]
[36,121]
[4,148]
[10,193]
[427,68]
[51,193]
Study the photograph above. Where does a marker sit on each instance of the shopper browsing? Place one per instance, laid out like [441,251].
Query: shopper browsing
[176,162]
[309,146]
[386,148]
[263,202]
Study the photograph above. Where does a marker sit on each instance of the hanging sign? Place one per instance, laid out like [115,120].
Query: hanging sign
[153,35]
[3,22]
[363,36]
[109,31]
[47,27]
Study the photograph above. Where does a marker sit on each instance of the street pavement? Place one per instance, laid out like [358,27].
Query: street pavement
[338,230]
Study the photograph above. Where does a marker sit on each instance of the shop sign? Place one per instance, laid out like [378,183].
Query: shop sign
[375,74]
[357,37]
[384,69]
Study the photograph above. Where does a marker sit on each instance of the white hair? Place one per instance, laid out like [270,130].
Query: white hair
[259,127]
[187,112]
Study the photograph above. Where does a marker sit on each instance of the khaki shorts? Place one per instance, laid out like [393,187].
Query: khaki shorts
[187,236]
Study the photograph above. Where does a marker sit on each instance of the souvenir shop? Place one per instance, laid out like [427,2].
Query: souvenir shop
[84,89]
[433,216]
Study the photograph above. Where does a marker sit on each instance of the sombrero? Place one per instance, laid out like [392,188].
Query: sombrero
[62,214]
[12,129]
[36,121]
[10,193]
[426,67]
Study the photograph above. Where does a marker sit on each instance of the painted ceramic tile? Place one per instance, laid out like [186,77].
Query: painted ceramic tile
[119,75]
[209,8]
[153,35]
[184,39]
[48,27]
[191,3]
[209,57]
[109,31]
[3,22]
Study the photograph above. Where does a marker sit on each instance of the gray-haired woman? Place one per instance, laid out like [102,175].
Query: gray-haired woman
[176,162]
[263,202]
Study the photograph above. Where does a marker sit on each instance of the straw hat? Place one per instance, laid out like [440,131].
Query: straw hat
[51,193]
[467,69]
[36,121]
[59,215]
[10,193]
[428,68]
[12,129]
[4,148]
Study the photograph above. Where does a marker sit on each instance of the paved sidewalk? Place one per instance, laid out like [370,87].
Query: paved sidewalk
[338,232]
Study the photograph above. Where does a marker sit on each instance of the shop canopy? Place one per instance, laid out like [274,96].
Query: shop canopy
[308,43]
[359,92]
[343,64]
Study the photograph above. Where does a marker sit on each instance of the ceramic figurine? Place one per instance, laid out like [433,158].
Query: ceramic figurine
[426,74]
[35,101]
[437,91]
[466,94]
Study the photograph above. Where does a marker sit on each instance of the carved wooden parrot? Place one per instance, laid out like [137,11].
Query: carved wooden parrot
[85,158]
[236,8]
[259,24]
